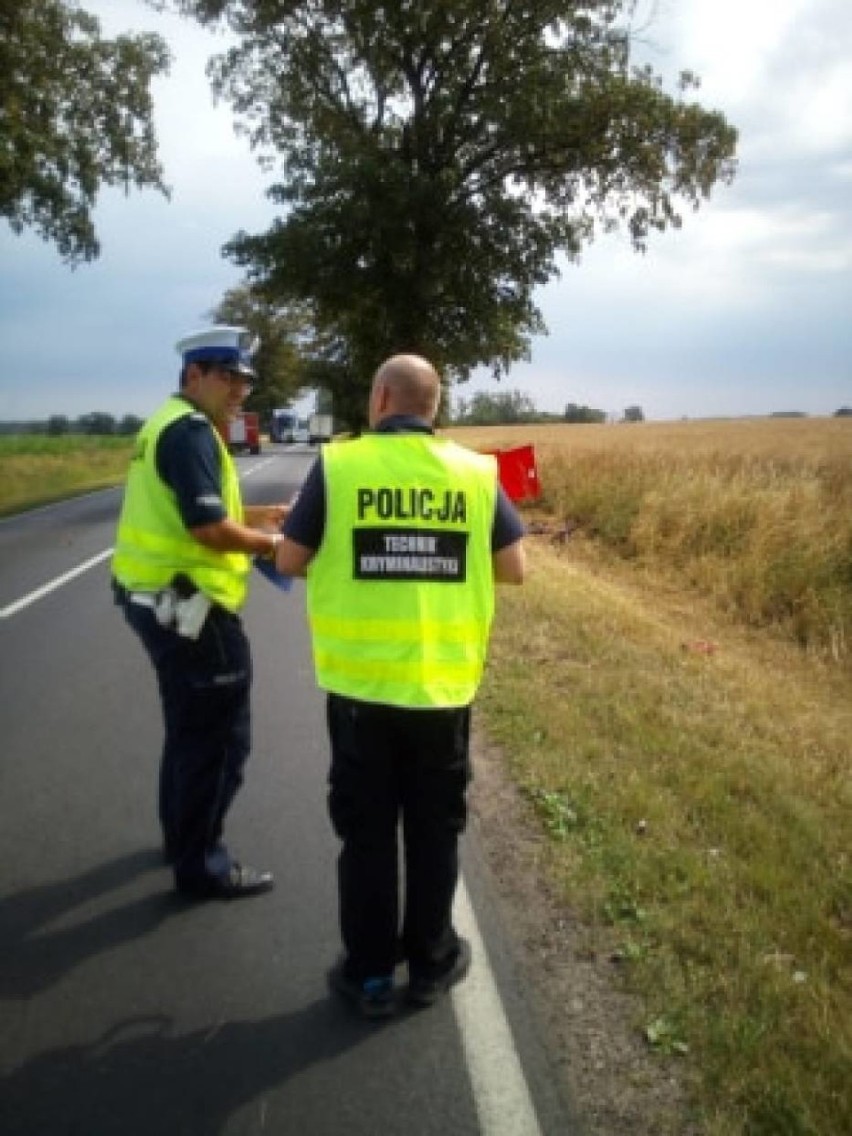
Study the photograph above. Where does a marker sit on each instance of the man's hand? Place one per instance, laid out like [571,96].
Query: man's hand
[268,518]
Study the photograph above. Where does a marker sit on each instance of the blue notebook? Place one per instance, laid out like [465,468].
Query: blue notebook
[267,568]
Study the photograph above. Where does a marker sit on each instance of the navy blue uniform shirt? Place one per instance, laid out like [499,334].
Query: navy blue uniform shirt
[306,522]
[188,462]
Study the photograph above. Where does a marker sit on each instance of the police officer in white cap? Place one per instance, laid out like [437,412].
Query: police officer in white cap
[180,568]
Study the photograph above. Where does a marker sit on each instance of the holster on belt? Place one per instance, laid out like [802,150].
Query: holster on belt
[180,607]
[190,607]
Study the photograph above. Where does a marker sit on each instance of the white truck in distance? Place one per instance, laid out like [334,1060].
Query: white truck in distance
[286,426]
[319,428]
[283,426]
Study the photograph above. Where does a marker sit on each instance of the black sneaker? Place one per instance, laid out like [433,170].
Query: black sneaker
[426,991]
[372,997]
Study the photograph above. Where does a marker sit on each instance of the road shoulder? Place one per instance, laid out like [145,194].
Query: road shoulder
[615,1084]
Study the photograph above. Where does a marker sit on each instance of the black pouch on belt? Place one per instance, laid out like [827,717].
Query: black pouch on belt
[183,587]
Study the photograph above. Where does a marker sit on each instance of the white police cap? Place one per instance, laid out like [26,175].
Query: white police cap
[230,347]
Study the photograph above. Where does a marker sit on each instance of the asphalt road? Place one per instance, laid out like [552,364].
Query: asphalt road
[125,1011]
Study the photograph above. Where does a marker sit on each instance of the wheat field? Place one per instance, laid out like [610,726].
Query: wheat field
[755,513]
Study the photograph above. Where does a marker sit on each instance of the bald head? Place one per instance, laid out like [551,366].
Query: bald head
[405,384]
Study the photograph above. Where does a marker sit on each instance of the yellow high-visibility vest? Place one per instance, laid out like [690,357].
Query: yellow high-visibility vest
[401,590]
[153,544]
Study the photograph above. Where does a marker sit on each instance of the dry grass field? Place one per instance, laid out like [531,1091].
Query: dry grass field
[754,513]
[38,469]
[671,691]
[819,439]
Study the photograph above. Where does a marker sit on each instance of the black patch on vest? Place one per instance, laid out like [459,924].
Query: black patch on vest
[434,555]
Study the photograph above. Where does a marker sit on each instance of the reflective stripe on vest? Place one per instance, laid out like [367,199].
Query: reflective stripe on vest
[152,543]
[401,590]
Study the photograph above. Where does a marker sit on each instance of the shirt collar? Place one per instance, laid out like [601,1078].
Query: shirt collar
[403,424]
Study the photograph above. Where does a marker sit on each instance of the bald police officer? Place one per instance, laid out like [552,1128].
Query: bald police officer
[402,535]
[182,557]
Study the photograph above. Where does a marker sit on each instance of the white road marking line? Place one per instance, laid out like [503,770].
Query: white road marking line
[503,1102]
[25,601]
[255,468]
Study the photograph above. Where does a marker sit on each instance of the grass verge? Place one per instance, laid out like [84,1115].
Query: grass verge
[38,469]
[693,778]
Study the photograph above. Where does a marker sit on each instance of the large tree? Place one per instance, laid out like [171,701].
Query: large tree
[436,156]
[293,357]
[75,114]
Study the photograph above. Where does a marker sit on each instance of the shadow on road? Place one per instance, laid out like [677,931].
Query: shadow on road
[138,1080]
[34,956]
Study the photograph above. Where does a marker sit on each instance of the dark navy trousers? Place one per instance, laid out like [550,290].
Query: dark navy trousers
[204,690]
[392,767]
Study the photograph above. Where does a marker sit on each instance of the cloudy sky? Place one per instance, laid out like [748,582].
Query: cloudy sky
[746,310]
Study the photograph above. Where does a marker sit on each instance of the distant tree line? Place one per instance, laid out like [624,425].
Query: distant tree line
[513,407]
[501,409]
[95,423]
[504,409]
